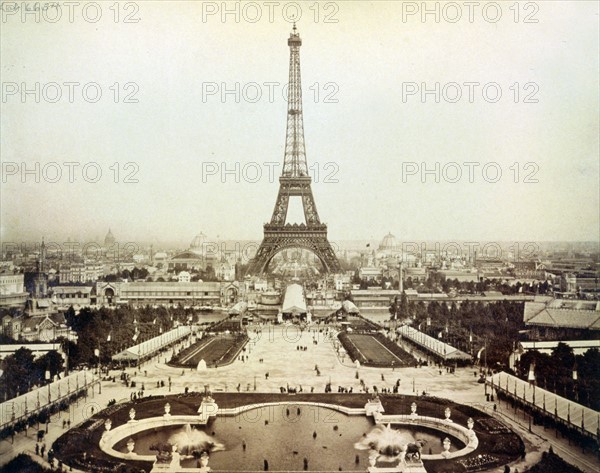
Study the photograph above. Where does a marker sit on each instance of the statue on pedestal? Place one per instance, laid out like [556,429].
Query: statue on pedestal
[204,463]
[446,443]
[402,458]
[175,458]
[132,415]
[130,447]
[107,427]
[447,413]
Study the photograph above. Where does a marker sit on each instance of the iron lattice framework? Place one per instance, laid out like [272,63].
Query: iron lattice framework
[294,182]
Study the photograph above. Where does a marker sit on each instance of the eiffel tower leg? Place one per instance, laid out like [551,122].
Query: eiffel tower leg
[281,208]
[310,209]
[327,256]
[271,245]
[265,252]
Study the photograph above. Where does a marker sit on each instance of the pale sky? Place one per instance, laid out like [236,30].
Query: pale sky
[366,136]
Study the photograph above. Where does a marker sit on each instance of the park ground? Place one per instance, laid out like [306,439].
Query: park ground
[273,358]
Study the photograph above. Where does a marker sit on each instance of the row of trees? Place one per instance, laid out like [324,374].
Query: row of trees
[437,282]
[21,371]
[133,275]
[142,274]
[495,327]
[469,326]
[561,371]
[109,331]
[123,324]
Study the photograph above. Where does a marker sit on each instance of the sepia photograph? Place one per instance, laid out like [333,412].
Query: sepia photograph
[287,236]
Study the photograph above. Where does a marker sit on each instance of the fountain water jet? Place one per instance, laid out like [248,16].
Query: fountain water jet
[388,444]
[190,439]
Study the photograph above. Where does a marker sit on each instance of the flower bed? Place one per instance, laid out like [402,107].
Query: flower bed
[492,426]
[216,351]
[375,350]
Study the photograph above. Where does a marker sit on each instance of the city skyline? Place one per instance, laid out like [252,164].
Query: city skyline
[300,236]
[181,131]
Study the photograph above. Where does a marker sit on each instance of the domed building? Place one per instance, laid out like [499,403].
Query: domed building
[109,239]
[198,257]
[198,243]
[389,245]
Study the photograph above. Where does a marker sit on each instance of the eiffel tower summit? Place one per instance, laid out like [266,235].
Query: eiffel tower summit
[294,182]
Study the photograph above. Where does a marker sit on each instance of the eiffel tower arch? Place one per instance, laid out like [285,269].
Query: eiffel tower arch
[294,182]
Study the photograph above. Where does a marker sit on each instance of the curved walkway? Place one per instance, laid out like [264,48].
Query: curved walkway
[287,365]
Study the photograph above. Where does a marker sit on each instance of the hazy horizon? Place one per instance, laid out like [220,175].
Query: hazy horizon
[177,131]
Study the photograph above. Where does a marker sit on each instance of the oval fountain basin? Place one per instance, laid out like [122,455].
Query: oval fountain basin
[283,437]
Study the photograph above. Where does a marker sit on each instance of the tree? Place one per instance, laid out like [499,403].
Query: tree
[51,361]
[542,365]
[70,316]
[563,358]
[588,365]
[19,373]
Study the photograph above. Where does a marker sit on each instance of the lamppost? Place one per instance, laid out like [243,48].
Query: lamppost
[471,343]
[47,376]
[485,355]
[66,350]
[575,383]
[99,368]
[38,410]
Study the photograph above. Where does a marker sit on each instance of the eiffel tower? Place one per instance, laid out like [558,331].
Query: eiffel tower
[294,182]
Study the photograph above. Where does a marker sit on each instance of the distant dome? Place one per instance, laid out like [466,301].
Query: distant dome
[198,242]
[109,239]
[389,243]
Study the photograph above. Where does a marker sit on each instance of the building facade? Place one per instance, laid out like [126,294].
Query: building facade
[12,290]
[188,294]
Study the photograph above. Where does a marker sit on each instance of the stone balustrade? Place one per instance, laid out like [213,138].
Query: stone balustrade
[464,434]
